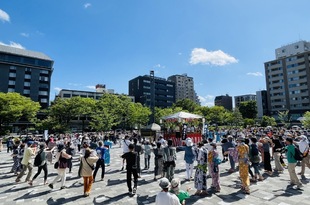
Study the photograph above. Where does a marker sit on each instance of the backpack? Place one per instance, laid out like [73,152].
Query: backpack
[38,159]
[298,155]
[254,150]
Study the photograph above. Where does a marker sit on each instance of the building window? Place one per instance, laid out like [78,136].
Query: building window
[146,81]
[11,82]
[26,91]
[66,95]
[27,84]
[43,100]
[27,76]
[43,93]
[44,71]
[11,90]
[12,67]
[42,78]
[28,69]
[12,75]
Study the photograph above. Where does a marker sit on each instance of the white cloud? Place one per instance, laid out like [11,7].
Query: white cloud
[4,16]
[13,44]
[180,54]
[57,89]
[207,100]
[25,34]
[91,87]
[87,5]
[217,58]
[258,74]
[159,66]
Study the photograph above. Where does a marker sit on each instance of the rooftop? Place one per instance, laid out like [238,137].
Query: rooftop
[23,52]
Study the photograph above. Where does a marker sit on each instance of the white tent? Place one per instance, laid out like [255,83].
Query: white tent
[301,118]
[182,115]
[153,127]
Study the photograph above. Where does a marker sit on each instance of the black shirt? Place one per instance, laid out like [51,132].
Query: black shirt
[130,159]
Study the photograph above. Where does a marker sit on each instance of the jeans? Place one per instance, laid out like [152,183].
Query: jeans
[40,168]
[232,162]
[147,161]
[99,163]
[256,169]
[189,170]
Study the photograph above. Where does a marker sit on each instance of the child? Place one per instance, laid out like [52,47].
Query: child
[175,189]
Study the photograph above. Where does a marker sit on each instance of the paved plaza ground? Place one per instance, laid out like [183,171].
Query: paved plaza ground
[275,190]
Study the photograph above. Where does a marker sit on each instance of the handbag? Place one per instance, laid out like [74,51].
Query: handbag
[63,162]
[56,165]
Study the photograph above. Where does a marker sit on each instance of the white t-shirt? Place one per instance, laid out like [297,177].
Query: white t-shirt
[166,198]
[125,145]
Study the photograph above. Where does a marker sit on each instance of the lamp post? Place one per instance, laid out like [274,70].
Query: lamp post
[152,96]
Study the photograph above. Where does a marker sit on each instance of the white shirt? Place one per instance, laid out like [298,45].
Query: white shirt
[166,198]
[125,145]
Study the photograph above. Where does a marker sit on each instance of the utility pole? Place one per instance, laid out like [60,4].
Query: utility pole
[152,96]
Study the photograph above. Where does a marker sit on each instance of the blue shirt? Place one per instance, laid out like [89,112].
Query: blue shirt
[101,152]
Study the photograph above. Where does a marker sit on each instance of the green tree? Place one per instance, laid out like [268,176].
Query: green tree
[63,110]
[14,106]
[237,118]
[216,115]
[138,114]
[186,105]
[306,121]
[284,118]
[268,121]
[248,122]
[109,112]
[248,109]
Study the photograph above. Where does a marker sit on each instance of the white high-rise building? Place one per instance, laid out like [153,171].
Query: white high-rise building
[184,87]
[287,80]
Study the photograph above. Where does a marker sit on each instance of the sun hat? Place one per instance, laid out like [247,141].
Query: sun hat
[164,183]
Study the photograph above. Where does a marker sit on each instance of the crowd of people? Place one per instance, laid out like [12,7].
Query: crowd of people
[246,151]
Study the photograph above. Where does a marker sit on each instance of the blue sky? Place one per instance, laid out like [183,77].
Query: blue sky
[222,44]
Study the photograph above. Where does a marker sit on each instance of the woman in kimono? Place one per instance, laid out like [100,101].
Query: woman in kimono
[108,144]
[213,159]
[200,180]
[243,156]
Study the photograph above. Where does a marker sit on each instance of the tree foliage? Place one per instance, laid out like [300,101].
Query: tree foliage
[14,106]
[268,121]
[186,105]
[306,121]
[248,109]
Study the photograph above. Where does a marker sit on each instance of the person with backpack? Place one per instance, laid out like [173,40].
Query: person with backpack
[255,159]
[40,162]
[290,154]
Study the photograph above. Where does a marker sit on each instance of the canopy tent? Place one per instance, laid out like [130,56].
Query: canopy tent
[301,119]
[182,115]
[153,127]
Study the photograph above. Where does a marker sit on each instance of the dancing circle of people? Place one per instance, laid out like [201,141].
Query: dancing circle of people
[202,160]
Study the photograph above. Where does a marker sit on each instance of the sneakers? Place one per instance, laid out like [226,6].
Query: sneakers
[51,186]
[134,190]
[130,193]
